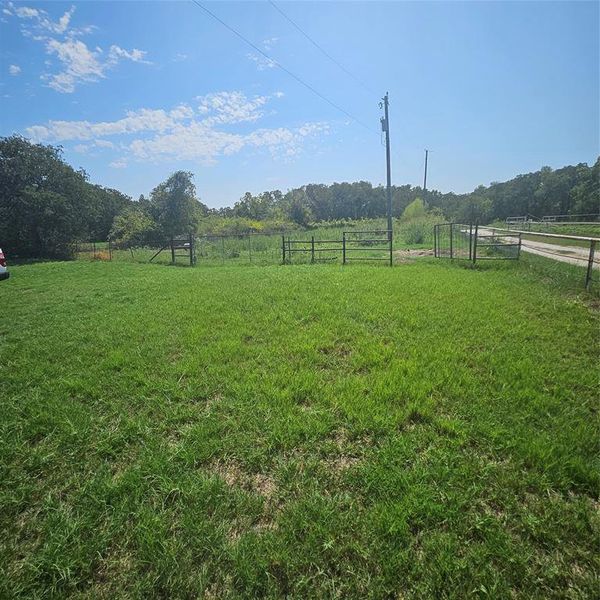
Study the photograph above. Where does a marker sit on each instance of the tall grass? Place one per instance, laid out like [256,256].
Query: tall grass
[310,432]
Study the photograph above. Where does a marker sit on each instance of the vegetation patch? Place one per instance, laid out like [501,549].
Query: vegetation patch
[315,431]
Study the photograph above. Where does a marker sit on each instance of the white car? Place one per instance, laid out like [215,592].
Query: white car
[4,274]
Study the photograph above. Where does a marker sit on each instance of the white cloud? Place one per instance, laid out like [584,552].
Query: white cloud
[182,133]
[183,111]
[231,107]
[14,69]
[279,94]
[78,63]
[85,148]
[103,144]
[269,43]
[142,120]
[118,164]
[39,19]
[179,57]
[116,53]
[262,62]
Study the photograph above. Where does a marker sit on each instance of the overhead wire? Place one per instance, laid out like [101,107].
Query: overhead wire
[321,49]
[282,67]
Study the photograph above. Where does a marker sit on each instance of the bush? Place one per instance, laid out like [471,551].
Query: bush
[415,210]
[420,230]
[415,232]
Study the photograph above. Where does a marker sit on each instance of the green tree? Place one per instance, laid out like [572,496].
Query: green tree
[174,205]
[44,203]
[133,227]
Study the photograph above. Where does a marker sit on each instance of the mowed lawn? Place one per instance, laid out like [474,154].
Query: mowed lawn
[424,431]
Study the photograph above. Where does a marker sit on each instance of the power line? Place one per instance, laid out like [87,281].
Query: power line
[278,64]
[319,47]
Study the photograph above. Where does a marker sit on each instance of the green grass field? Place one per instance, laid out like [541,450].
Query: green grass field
[425,431]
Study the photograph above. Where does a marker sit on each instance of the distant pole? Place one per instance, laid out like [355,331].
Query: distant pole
[385,126]
[425,176]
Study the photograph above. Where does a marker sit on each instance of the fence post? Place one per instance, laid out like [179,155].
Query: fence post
[283,248]
[519,248]
[312,249]
[191,250]
[391,248]
[344,248]
[435,241]
[451,240]
[475,243]
[589,273]
[109,250]
[172,252]
[470,240]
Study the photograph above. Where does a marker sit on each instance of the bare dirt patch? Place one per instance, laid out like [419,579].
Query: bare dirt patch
[408,254]
[234,476]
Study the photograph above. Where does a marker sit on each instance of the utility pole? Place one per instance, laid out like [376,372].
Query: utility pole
[385,126]
[425,176]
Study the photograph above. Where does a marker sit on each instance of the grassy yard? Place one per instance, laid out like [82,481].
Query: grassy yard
[424,431]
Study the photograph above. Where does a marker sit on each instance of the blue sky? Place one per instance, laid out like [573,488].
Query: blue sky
[136,90]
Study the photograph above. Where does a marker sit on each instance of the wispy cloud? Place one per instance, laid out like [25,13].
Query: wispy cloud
[78,63]
[14,69]
[36,21]
[269,43]
[262,62]
[102,144]
[118,164]
[116,53]
[200,132]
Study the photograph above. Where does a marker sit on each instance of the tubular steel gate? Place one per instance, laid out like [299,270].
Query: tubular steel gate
[470,242]
[354,246]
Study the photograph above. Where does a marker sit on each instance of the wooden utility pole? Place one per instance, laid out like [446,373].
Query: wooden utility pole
[425,176]
[385,126]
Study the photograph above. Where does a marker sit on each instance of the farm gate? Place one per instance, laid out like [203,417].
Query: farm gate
[472,242]
[373,245]
[184,247]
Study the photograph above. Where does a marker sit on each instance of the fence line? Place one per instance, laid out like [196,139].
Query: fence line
[459,241]
[351,242]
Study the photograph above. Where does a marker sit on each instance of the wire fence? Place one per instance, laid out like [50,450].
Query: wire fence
[369,245]
[205,250]
[324,245]
[469,242]
[570,259]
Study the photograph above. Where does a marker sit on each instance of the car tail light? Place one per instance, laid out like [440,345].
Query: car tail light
[2,260]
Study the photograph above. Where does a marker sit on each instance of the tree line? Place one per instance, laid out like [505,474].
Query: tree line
[570,190]
[46,206]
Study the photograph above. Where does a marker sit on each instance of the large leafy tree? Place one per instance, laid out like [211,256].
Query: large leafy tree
[46,205]
[174,205]
[133,227]
[43,201]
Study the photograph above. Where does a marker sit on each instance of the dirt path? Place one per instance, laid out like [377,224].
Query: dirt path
[574,255]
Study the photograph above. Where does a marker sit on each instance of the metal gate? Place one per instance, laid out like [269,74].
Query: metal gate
[474,242]
[372,245]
